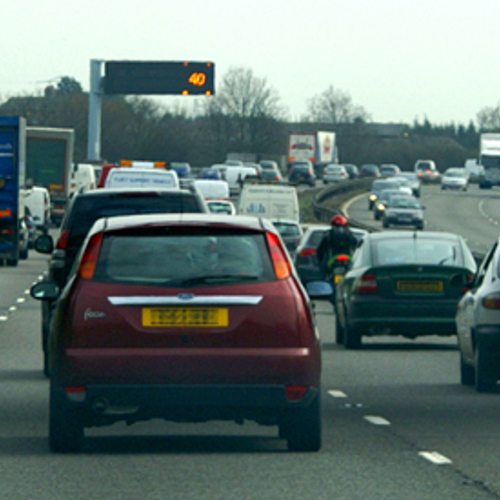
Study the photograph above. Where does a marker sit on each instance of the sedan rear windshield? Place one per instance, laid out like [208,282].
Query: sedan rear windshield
[87,210]
[416,251]
[182,259]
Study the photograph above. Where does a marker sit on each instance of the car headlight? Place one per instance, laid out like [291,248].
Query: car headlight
[373,197]
[381,207]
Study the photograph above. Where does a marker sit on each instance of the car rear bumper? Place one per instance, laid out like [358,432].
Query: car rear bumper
[404,318]
[190,365]
[104,404]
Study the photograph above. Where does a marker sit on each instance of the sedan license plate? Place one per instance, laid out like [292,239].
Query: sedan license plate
[185,317]
[420,286]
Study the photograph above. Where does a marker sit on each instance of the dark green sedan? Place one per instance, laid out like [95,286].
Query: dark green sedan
[403,283]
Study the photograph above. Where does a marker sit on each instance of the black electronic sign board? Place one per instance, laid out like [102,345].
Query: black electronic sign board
[156,77]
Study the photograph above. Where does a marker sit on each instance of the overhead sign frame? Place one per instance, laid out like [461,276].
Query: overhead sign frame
[159,78]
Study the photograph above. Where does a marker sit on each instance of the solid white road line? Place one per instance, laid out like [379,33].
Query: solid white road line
[373,419]
[435,457]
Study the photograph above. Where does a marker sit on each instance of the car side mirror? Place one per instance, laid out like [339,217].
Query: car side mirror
[45,290]
[319,290]
[44,243]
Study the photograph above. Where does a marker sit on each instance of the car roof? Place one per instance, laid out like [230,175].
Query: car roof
[240,222]
[103,192]
[405,235]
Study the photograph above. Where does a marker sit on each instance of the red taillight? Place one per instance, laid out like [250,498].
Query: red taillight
[282,267]
[295,392]
[89,259]
[367,285]
[307,252]
[7,232]
[343,258]
[492,301]
[73,390]
[420,175]
[62,242]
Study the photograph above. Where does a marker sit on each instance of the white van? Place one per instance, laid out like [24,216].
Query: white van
[125,177]
[473,169]
[235,175]
[37,199]
[212,189]
[83,177]
[271,201]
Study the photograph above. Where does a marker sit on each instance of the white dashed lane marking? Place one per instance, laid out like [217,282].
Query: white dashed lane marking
[337,394]
[435,457]
[375,420]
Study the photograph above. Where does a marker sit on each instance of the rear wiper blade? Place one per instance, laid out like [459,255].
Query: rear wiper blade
[215,278]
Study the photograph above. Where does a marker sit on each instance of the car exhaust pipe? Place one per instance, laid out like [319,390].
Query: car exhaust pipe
[100,405]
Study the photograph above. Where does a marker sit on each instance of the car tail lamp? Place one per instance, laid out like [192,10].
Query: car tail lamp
[281,264]
[492,301]
[307,252]
[367,285]
[295,392]
[62,242]
[90,257]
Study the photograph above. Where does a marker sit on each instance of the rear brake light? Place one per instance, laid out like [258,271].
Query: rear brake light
[492,301]
[280,261]
[90,257]
[62,242]
[295,392]
[307,252]
[367,285]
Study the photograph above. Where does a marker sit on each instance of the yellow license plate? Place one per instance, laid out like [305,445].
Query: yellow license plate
[185,317]
[338,278]
[421,286]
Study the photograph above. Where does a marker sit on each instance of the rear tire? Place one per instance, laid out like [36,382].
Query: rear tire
[339,331]
[302,427]
[352,337]
[467,373]
[66,431]
[485,381]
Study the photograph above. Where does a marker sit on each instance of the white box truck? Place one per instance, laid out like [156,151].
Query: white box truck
[489,159]
[270,201]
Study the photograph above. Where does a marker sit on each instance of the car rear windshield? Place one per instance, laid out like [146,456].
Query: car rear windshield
[416,251]
[87,210]
[177,258]
[287,229]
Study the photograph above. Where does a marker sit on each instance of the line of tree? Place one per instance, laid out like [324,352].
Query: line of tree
[247,116]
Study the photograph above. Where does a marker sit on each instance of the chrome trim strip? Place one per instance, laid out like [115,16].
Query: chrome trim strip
[206,300]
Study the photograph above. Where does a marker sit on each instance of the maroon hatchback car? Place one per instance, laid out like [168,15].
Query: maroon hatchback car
[188,318]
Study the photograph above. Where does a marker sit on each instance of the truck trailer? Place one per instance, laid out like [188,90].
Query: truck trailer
[12,187]
[489,159]
[49,161]
[318,147]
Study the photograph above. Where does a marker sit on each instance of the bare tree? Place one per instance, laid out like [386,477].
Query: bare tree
[335,106]
[243,109]
[489,118]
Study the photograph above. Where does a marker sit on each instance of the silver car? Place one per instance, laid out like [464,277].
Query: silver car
[403,211]
[478,325]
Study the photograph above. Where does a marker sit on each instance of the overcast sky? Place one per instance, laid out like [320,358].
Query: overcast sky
[400,59]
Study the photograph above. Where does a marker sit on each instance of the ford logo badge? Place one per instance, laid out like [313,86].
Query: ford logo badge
[185,296]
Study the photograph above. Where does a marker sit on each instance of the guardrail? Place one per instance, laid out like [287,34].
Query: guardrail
[328,203]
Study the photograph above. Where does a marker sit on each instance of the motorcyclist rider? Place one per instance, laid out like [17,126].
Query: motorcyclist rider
[338,240]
